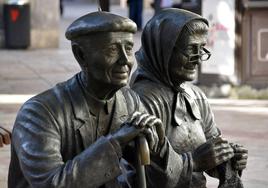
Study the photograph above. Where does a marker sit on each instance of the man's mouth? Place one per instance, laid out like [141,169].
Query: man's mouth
[121,73]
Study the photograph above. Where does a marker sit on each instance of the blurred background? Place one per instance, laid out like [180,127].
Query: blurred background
[34,56]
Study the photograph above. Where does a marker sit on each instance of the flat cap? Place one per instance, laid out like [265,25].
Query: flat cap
[99,22]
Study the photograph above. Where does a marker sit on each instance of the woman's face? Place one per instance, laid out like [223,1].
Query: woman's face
[186,57]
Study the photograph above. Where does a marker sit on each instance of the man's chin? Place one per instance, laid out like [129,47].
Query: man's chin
[119,83]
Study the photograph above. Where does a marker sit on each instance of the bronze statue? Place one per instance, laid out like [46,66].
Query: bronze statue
[173,45]
[80,133]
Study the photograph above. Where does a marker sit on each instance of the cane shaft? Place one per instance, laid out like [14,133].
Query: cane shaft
[143,158]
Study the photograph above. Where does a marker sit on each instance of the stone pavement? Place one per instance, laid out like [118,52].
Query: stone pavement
[26,73]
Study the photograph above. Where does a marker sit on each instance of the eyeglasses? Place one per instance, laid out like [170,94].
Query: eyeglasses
[203,56]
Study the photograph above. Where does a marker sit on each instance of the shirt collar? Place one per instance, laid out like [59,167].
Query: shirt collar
[96,105]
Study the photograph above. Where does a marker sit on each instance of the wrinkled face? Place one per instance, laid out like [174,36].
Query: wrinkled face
[183,65]
[109,57]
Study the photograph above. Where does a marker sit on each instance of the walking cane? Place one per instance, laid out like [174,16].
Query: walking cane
[143,158]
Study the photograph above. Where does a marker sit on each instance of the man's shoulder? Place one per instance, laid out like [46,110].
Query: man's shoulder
[131,98]
[59,91]
[128,94]
[56,97]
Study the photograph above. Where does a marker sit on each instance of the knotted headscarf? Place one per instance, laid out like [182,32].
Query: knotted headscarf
[158,41]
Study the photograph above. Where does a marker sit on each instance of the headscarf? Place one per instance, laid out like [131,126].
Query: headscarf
[158,41]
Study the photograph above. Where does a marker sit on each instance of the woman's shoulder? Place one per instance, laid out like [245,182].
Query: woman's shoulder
[151,89]
[194,91]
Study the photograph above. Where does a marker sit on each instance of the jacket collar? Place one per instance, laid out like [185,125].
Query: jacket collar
[82,121]
[78,100]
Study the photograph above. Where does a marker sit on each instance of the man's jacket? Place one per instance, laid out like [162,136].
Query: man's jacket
[53,145]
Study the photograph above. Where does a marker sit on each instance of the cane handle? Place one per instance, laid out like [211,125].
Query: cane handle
[144,152]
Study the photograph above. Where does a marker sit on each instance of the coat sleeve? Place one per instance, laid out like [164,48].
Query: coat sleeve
[171,170]
[37,140]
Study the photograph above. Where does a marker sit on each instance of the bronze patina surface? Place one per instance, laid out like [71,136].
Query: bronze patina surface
[173,45]
[79,133]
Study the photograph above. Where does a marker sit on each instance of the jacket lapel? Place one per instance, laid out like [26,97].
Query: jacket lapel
[81,122]
[120,113]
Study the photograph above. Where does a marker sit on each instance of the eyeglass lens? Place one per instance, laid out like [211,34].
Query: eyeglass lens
[203,55]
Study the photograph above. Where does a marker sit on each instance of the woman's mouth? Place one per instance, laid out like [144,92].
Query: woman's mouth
[190,68]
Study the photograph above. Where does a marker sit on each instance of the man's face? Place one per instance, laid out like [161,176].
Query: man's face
[182,68]
[109,57]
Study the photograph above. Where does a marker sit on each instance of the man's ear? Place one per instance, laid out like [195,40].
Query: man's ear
[78,54]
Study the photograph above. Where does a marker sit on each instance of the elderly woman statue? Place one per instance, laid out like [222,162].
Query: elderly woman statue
[173,45]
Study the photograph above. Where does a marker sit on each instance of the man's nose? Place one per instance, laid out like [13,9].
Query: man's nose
[124,59]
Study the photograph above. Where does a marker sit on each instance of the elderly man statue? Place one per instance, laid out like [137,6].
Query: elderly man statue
[75,134]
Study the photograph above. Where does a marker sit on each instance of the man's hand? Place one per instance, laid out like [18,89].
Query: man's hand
[141,123]
[211,154]
[240,156]
[153,129]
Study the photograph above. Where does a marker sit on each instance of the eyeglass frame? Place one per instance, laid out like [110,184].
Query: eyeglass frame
[207,52]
